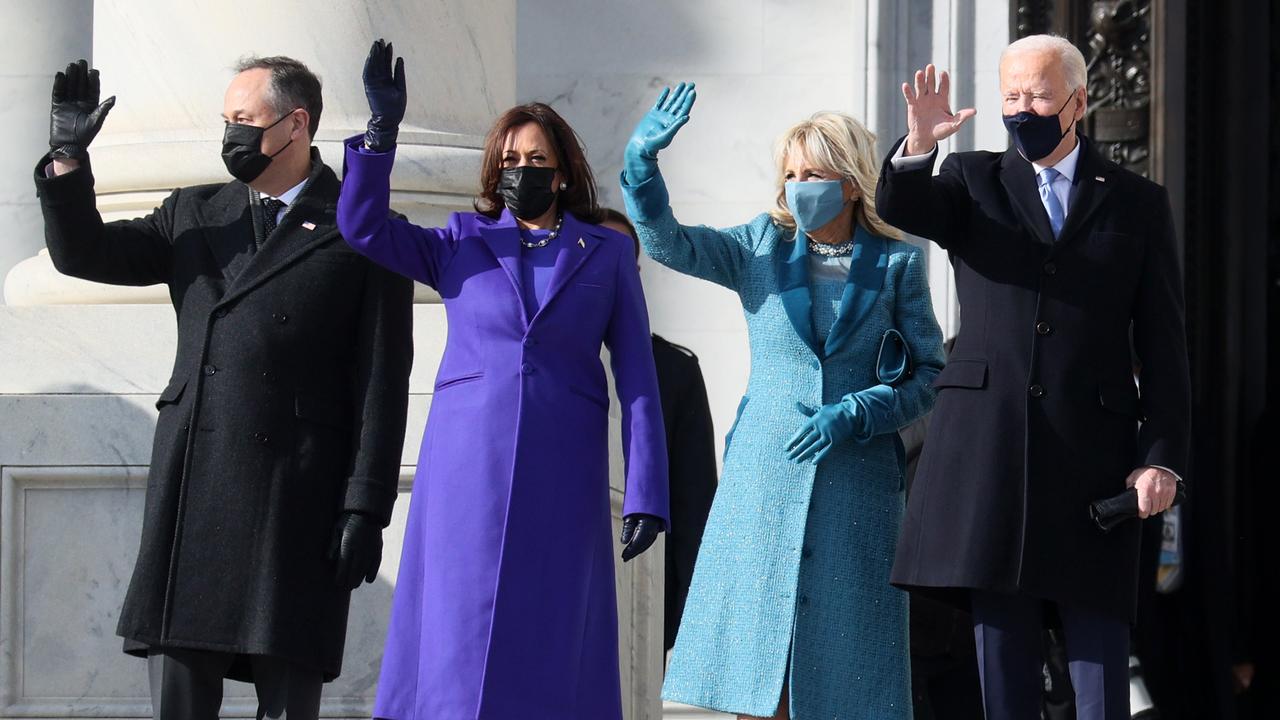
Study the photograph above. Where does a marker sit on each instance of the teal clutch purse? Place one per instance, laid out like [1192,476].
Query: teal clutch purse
[893,363]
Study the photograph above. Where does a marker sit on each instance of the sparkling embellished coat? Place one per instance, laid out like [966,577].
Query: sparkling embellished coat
[792,582]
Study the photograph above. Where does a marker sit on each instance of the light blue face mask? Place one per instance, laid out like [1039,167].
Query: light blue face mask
[814,203]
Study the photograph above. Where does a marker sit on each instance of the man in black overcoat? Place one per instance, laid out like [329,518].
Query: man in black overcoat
[277,449]
[1060,257]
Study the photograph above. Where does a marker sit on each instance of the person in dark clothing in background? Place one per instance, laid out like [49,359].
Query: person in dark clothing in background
[944,670]
[691,449]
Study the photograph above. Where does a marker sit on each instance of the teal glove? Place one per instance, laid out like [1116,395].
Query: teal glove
[831,425]
[655,132]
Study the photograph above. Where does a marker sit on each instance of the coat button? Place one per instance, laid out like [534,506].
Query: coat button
[1050,268]
[262,437]
[807,552]
[803,599]
[815,365]
[1037,391]
[529,342]
[280,318]
[209,369]
[526,368]
[1043,328]
[220,313]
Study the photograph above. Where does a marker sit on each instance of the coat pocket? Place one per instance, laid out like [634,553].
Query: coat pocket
[603,402]
[970,374]
[442,383]
[737,417]
[1120,398]
[171,394]
[324,409]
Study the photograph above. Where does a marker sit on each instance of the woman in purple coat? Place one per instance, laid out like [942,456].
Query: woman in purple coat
[505,605]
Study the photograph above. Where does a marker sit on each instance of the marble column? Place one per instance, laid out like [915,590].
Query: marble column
[42,36]
[169,65]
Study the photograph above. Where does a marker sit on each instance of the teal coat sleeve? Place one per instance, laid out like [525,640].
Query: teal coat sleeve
[886,408]
[703,252]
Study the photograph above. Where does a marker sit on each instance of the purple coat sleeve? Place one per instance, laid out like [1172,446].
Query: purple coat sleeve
[644,441]
[364,217]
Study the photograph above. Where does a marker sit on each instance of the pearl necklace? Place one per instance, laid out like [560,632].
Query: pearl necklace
[555,232]
[825,250]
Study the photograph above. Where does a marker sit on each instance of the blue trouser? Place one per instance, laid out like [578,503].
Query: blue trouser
[1009,632]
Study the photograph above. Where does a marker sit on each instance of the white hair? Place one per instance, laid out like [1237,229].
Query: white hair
[1069,55]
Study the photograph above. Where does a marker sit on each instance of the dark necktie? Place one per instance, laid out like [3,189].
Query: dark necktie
[270,210]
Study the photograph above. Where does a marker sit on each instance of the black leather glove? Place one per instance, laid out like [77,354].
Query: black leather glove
[638,533]
[356,549]
[76,117]
[387,98]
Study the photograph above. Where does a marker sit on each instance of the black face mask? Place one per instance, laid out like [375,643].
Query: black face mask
[527,191]
[1034,135]
[242,149]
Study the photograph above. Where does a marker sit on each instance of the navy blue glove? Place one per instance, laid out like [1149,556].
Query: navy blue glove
[386,94]
[829,426]
[639,531]
[655,131]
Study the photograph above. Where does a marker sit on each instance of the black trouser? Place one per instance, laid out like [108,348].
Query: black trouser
[187,685]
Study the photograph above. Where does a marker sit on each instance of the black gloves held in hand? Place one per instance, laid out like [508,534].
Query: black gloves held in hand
[638,533]
[76,117]
[387,98]
[356,549]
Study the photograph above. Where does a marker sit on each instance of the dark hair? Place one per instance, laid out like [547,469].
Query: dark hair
[292,86]
[579,195]
[615,216]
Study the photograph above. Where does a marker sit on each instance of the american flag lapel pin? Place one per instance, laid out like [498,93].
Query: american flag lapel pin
[582,243]
[309,225]
[1099,178]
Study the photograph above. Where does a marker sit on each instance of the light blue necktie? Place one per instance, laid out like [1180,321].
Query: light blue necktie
[1050,199]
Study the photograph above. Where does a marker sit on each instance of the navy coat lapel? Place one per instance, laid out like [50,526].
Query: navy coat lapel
[503,239]
[1091,187]
[228,230]
[867,269]
[791,262]
[577,241]
[1019,180]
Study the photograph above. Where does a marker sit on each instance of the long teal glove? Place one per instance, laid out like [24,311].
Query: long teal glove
[831,425]
[655,131]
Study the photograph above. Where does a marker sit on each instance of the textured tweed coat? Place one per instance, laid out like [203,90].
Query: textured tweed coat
[504,606]
[792,582]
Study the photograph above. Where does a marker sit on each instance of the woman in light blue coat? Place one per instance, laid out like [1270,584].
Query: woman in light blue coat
[790,614]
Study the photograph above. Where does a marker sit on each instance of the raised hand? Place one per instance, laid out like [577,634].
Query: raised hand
[929,116]
[76,116]
[656,130]
[387,98]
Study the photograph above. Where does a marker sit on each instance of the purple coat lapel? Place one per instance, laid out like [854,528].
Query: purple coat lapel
[577,241]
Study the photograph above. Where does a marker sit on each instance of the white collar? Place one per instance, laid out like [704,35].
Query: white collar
[1066,166]
[288,196]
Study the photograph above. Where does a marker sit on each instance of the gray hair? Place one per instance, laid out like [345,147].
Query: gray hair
[1073,65]
[292,86]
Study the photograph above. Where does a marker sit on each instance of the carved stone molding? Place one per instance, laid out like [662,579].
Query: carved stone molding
[1118,55]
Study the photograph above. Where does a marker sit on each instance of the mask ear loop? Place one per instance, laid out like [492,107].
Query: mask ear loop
[286,145]
[1073,120]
